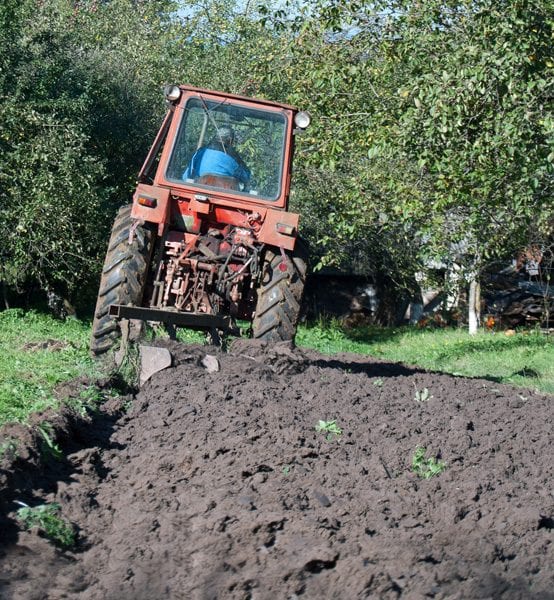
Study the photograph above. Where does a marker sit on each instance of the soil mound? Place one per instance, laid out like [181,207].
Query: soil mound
[215,483]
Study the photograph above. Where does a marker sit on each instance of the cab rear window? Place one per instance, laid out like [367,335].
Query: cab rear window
[221,145]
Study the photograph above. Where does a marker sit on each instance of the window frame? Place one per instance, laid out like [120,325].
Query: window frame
[179,114]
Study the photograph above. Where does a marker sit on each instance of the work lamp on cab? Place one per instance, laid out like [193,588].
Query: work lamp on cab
[302,119]
[172,93]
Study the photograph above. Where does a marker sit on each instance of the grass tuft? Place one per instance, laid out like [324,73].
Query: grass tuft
[49,448]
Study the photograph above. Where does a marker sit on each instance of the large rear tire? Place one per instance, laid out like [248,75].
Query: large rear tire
[280,294]
[123,279]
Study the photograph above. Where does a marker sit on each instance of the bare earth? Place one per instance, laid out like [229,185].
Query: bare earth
[217,485]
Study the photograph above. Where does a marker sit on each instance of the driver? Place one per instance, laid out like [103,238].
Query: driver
[218,159]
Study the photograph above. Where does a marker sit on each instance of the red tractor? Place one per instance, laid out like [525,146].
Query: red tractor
[208,239]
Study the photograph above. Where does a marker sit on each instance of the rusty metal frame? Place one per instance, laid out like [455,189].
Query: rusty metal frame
[200,321]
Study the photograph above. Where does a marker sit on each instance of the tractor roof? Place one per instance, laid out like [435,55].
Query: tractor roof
[236,97]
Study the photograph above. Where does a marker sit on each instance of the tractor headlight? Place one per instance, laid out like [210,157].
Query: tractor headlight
[302,119]
[172,93]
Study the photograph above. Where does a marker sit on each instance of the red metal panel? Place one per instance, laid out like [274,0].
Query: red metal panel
[202,207]
[248,99]
[232,217]
[159,214]
[269,234]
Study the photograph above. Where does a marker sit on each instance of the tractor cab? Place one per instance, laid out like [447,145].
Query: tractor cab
[225,146]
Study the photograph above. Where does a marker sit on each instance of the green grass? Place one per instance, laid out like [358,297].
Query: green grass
[28,375]
[524,359]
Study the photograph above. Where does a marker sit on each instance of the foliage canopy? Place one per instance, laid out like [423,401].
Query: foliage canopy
[432,138]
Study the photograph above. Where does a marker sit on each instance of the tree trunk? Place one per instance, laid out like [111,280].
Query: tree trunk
[474,305]
[5,295]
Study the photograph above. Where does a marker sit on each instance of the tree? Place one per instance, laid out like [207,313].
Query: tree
[441,124]
[80,100]
[474,112]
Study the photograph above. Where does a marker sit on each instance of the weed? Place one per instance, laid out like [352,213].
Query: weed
[48,520]
[93,397]
[426,467]
[422,395]
[77,404]
[129,370]
[330,428]
[378,383]
[8,449]
[127,404]
[87,400]
[49,447]
[286,470]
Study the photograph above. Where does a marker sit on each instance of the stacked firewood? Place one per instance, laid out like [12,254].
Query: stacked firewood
[516,302]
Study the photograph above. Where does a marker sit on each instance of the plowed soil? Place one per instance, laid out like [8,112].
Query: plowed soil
[218,485]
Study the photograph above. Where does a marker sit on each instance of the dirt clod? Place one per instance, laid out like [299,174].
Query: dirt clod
[218,485]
